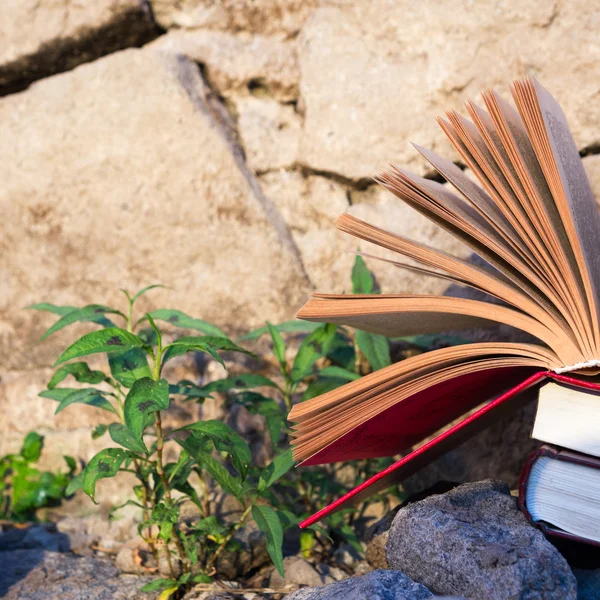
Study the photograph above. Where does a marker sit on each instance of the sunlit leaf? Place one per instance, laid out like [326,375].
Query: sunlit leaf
[145,396]
[80,371]
[32,446]
[295,326]
[121,435]
[105,340]
[105,464]
[129,366]
[92,312]
[183,321]
[363,281]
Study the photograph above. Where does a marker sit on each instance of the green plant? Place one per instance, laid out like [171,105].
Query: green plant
[23,488]
[137,395]
[328,357]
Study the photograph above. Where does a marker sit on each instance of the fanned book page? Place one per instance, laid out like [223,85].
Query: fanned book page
[534,220]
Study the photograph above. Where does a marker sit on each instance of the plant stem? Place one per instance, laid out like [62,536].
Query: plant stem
[228,537]
[129,320]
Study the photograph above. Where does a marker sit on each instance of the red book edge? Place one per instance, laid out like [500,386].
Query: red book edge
[557,454]
[442,443]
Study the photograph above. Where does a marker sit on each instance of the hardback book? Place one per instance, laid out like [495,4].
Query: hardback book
[559,492]
[568,417]
[532,217]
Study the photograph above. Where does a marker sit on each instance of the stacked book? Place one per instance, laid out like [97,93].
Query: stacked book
[560,486]
[525,207]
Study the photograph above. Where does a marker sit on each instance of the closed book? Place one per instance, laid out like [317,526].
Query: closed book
[559,492]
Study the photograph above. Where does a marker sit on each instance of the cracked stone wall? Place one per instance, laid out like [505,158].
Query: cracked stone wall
[209,145]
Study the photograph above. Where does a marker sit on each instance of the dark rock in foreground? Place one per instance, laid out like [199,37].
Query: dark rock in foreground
[474,542]
[378,585]
[43,575]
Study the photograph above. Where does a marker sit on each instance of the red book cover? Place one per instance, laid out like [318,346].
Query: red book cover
[404,424]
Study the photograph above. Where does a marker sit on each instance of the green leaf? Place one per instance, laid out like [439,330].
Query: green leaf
[105,340]
[338,373]
[105,464]
[99,431]
[122,436]
[376,349]
[307,542]
[430,340]
[278,346]
[201,578]
[156,330]
[158,585]
[268,522]
[224,439]
[321,385]
[230,484]
[92,312]
[278,467]
[205,343]
[129,366]
[189,389]
[80,371]
[166,594]
[288,519]
[71,464]
[32,447]
[57,310]
[145,396]
[210,525]
[147,289]
[314,346]
[74,485]
[89,396]
[243,381]
[295,326]
[257,404]
[183,321]
[363,281]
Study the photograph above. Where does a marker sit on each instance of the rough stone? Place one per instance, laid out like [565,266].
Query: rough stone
[241,63]
[474,541]
[378,585]
[374,75]
[299,571]
[269,132]
[268,16]
[145,175]
[251,556]
[42,575]
[211,222]
[40,38]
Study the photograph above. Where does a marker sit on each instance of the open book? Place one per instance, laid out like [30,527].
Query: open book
[533,218]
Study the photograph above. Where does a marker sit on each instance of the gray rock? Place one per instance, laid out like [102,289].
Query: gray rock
[376,537]
[588,584]
[378,585]
[251,555]
[474,541]
[300,572]
[41,575]
[36,537]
